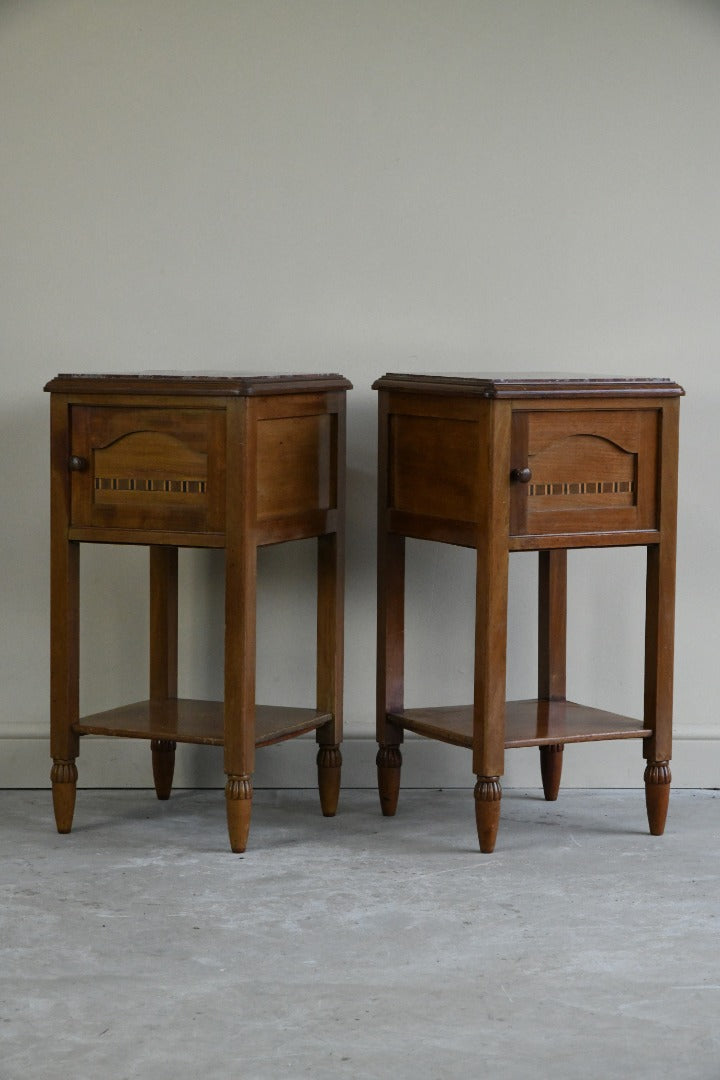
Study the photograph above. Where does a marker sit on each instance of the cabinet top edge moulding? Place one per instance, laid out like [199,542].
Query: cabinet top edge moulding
[534,385]
[220,384]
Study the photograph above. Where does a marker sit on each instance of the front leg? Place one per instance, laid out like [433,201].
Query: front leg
[552,650]
[390,667]
[163,654]
[329,666]
[491,598]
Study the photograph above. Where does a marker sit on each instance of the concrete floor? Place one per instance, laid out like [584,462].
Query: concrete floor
[363,947]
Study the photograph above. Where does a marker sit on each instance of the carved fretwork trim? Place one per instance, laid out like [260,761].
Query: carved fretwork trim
[145,484]
[585,487]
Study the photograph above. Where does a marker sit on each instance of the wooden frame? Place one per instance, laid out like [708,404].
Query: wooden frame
[456,459]
[183,464]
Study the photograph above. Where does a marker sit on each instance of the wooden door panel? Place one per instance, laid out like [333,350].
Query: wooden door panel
[146,469]
[591,471]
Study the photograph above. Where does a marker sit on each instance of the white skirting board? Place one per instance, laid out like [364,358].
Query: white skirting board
[125,763]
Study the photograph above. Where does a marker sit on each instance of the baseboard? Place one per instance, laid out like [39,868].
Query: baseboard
[125,763]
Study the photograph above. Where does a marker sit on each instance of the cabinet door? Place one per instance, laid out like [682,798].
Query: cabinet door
[148,468]
[589,471]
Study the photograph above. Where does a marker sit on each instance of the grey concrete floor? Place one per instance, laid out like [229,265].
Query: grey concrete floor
[359,947]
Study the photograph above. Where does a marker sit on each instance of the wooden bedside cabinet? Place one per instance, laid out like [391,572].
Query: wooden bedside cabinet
[536,463]
[206,461]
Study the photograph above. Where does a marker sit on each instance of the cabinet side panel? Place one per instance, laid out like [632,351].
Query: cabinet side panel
[433,467]
[296,471]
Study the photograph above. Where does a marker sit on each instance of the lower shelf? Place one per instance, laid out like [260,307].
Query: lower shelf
[527,723]
[190,721]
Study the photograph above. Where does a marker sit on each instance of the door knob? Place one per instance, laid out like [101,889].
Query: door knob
[521,476]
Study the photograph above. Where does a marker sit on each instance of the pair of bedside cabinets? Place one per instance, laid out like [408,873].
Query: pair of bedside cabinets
[492,463]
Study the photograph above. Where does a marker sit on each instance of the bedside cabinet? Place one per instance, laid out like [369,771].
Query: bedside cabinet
[204,461]
[545,464]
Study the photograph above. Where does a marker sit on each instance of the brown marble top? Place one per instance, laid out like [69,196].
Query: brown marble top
[537,384]
[209,383]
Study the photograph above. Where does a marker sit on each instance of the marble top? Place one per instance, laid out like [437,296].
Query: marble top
[529,385]
[243,384]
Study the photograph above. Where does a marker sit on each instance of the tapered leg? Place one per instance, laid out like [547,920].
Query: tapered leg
[329,766]
[657,795]
[163,766]
[660,630]
[64,624]
[551,759]
[240,611]
[390,686]
[488,794]
[330,664]
[64,776]
[491,592]
[659,620]
[552,651]
[389,764]
[238,803]
[163,654]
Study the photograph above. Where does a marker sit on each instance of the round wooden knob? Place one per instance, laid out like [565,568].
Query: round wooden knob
[521,476]
[77,463]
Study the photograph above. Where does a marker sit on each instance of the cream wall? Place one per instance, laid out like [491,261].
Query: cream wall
[326,185]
